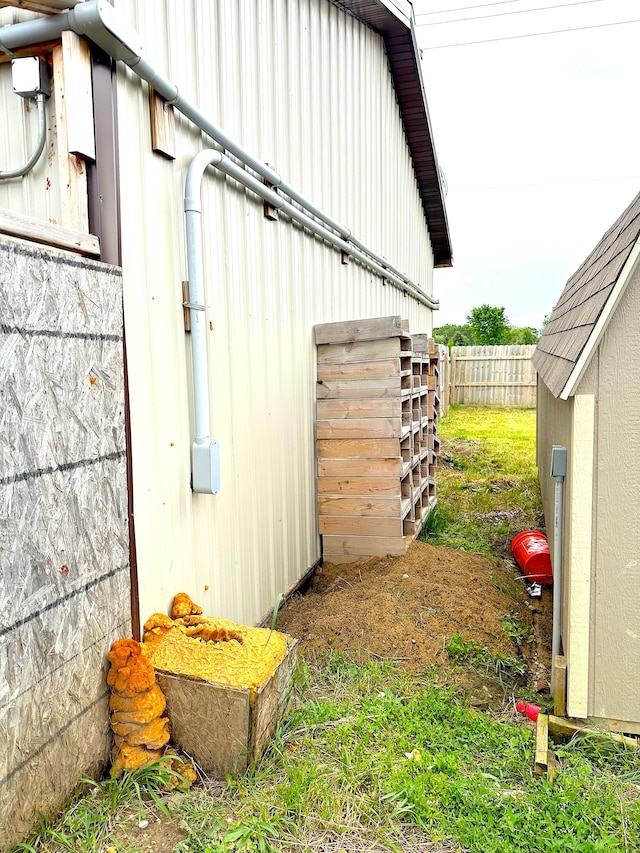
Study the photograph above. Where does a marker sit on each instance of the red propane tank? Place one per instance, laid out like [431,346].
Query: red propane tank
[531,551]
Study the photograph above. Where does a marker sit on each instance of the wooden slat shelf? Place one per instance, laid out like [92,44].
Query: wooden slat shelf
[377,411]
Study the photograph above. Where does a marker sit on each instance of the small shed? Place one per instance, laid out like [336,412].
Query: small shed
[588,390]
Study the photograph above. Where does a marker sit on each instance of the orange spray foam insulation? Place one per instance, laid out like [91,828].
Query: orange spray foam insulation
[189,644]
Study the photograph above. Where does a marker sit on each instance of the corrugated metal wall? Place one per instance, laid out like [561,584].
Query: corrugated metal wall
[306,88]
[38,194]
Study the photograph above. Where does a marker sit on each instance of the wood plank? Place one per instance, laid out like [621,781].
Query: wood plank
[47,7]
[359,389]
[384,369]
[560,686]
[363,546]
[356,351]
[78,96]
[363,507]
[375,486]
[352,525]
[72,170]
[163,135]
[420,343]
[38,231]
[374,448]
[542,745]
[390,407]
[359,428]
[565,728]
[358,330]
[359,468]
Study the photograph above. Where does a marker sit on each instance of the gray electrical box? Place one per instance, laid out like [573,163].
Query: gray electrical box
[30,77]
[558,461]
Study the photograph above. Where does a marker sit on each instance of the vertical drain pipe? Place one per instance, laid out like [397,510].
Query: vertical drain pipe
[205,452]
[558,472]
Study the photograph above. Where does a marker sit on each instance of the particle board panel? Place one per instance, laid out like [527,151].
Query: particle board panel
[374,448]
[386,368]
[359,486]
[353,525]
[378,408]
[224,728]
[359,468]
[362,506]
[358,330]
[363,546]
[358,389]
[359,428]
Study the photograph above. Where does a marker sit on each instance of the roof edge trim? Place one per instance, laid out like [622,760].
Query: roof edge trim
[599,329]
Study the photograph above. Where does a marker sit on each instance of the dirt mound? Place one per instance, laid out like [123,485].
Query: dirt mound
[407,609]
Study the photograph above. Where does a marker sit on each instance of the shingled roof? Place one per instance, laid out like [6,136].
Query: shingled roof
[591,294]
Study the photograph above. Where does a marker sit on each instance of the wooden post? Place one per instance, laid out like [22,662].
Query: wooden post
[68,69]
[560,686]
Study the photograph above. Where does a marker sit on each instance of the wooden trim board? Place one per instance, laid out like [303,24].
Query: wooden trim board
[38,231]
[358,330]
[363,428]
[387,407]
[363,546]
[361,506]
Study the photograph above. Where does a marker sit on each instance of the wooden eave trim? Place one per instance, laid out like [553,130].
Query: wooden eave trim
[598,330]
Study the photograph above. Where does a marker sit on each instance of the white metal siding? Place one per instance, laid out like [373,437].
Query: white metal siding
[305,87]
[38,193]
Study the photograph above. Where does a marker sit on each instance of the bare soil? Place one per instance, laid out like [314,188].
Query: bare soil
[407,609]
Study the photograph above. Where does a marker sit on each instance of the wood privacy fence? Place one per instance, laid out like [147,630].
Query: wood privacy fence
[492,376]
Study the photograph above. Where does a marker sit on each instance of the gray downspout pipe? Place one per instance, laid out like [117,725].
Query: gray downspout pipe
[205,453]
[97,20]
[37,151]
[558,472]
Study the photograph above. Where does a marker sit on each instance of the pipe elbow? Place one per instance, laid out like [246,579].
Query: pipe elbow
[195,174]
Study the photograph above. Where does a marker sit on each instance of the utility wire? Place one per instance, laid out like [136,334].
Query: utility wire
[515,12]
[545,184]
[465,8]
[531,35]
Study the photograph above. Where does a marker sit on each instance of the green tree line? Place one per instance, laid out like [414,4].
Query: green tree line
[485,326]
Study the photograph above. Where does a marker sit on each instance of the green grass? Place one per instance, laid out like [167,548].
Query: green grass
[487,480]
[375,755]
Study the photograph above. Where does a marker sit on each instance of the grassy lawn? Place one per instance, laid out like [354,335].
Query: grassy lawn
[487,480]
[376,758]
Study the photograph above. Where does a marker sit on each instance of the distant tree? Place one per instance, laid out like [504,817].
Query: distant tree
[522,335]
[453,336]
[489,325]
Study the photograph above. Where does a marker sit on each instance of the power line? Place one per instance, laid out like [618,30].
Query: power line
[545,184]
[465,8]
[531,35]
[515,12]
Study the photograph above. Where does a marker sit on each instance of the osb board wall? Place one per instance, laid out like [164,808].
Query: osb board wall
[64,553]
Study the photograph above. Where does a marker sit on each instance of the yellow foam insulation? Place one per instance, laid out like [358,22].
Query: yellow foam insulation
[212,649]
[138,721]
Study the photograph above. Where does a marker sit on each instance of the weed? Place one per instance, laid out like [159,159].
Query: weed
[514,627]
[464,651]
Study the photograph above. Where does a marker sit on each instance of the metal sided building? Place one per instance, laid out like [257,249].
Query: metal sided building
[157,358]
[588,392]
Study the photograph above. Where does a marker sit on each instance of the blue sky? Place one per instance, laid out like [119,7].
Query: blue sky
[539,140]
